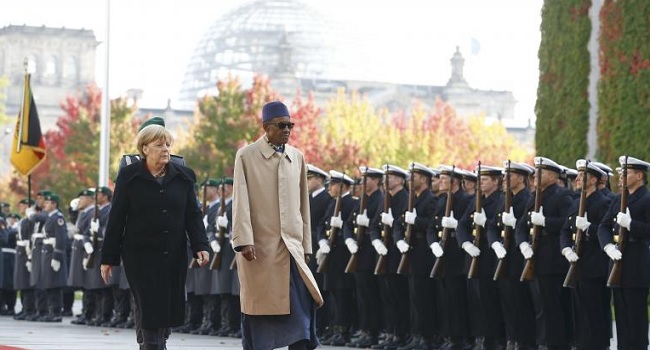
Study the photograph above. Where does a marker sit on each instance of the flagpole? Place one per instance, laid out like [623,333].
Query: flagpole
[104,138]
[29,190]
[22,109]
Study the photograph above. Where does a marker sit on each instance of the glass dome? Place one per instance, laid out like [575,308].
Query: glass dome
[271,37]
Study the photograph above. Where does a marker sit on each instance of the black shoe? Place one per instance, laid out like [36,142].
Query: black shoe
[66,313]
[22,316]
[224,331]
[51,318]
[129,323]
[8,312]
[415,343]
[365,340]
[384,344]
[235,334]
[339,339]
[79,321]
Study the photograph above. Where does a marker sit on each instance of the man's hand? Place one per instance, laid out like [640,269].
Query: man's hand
[508,218]
[499,250]
[88,247]
[526,250]
[409,217]
[56,265]
[436,249]
[402,246]
[570,255]
[324,246]
[362,219]
[582,223]
[471,249]
[307,258]
[106,271]
[202,258]
[249,253]
[336,221]
[94,225]
[624,219]
[222,221]
[352,245]
[216,248]
[449,222]
[387,218]
[613,252]
[379,246]
[480,218]
[538,218]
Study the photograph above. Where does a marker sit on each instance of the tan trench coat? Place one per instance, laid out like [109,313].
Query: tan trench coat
[271,212]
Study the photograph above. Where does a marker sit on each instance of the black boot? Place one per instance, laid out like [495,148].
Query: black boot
[415,343]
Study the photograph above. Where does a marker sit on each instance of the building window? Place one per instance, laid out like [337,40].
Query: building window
[50,72]
[32,64]
[70,68]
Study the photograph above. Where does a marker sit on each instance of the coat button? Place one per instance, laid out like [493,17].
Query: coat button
[165,252]
[162,191]
[164,210]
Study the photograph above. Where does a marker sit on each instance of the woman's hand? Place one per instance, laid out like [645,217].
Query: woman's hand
[107,272]
[202,258]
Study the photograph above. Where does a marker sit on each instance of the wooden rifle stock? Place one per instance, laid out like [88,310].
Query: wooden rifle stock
[570,279]
[405,261]
[438,267]
[216,259]
[478,229]
[334,231]
[351,267]
[90,262]
[529,269]
[500,271]
[614,279]
[380,268]
[194,263]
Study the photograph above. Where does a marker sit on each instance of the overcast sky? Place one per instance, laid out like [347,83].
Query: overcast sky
[402,40]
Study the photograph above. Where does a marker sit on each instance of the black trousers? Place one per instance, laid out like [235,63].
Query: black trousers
[344,304]
[103,300]
[518,310]
[422,300]
[592,315]
[121,304]
[40,297]
[453,293]
[28,301]
[68,298]
[8,298]
[485,315]
[394,296]
[195,303]
[55,301]
[553,315]
[368,301]
[630,307]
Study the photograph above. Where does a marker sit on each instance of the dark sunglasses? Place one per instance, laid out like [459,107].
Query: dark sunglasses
[281,126]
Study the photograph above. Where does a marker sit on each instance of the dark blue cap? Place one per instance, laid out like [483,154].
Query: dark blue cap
[274,109]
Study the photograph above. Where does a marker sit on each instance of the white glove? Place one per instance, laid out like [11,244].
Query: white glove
[526,250]
[216,248]
[324,246]
[319,257]
[56,265]
[84,264]
[28,265]
[379,247]
[94,225]
[624,219]
[508,218]
[409,217]
[205,221]
[537,217]
[480,218]
[402,246]
[449,221]
[362,219]
[28,249]
[436,248]
[471,249]
[352,245]
[29,212]
[336,221]
[570,255]
[499,250]
[582,223]
[89,248]
[222,221]
[613,252]
[15,226]
[387,218]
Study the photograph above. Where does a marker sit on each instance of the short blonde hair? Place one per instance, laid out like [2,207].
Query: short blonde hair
[150,134]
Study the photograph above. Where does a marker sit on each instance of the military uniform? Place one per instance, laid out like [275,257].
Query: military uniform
[93,280]
[7,261]
[366,283]
[77,272]
[21,273]
[54,243]
[35,278]
[590,297]
[630,297]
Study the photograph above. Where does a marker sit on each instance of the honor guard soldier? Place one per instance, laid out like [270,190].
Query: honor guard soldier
[393,287]
[224,281]
[93,242]
[53,259]
[516,302]
[84,206]
[552,301]
[23,251]
[37,221]
[452,288]
[484,309]
[633,220]
[416,248]
[590,297]
[470,181]
[333,255]
[319,200]
[357,239]
[7,261]
[603,183]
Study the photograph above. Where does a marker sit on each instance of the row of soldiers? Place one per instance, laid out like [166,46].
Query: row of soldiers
[499,251]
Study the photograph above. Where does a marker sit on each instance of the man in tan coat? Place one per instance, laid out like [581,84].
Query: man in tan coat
[271,230]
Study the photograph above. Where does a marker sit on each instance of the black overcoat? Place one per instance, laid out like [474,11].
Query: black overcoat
[148,228]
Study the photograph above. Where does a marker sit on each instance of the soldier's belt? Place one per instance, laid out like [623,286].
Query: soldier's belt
[49,241]
[38,235]
[9,250]
[21,243]
[79,237]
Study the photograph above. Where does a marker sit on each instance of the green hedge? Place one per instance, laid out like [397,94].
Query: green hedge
[562,106]
[624,88]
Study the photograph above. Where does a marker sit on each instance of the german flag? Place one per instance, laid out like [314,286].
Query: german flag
[28,148]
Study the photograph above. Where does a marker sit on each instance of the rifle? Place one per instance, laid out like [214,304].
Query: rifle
[570,279]
[405,261]
[333,231]
[380,268]
[478,230]
[437,271]
[529,269]
[216,260]
[351,267]
[614,279]
[500,271]
[90,262]
[195,263]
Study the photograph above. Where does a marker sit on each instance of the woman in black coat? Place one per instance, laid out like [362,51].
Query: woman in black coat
[154,211]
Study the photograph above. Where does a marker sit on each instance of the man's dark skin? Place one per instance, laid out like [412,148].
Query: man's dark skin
[277,137]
